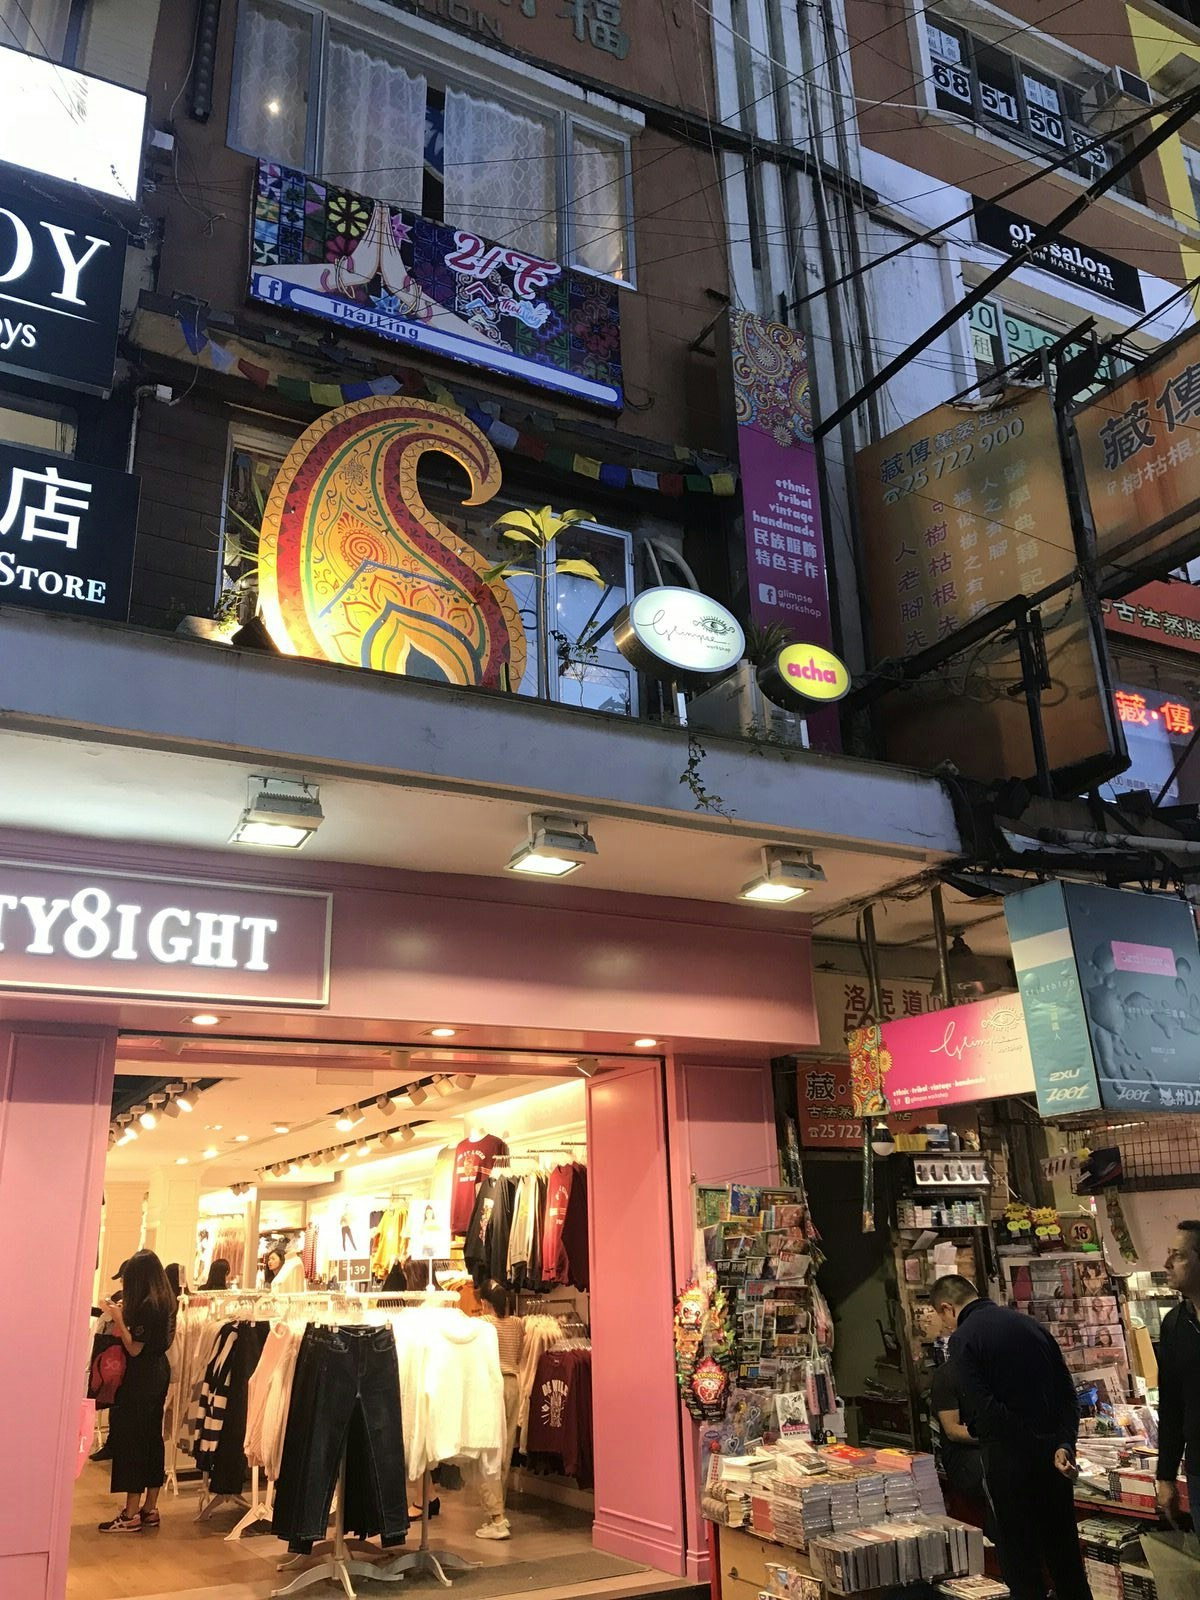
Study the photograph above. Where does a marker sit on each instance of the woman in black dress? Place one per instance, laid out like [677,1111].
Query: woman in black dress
[144,1320]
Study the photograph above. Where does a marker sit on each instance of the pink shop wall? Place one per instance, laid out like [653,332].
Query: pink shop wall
[722,1121]
[55,1091]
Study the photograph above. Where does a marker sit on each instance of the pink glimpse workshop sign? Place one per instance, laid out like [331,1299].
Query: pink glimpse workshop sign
[973,1052]
[83,932]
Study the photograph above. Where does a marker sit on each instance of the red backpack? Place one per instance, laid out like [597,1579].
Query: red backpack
[107,1370]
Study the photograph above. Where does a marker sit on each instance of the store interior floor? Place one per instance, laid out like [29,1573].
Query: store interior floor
[550,1553]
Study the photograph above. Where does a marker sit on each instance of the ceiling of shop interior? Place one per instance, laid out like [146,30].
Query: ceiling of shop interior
[251,1098]
[124,794]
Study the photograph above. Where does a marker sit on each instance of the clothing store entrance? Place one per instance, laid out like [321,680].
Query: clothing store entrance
[392,1263]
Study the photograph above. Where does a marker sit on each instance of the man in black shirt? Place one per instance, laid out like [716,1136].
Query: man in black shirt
[1021,1401]
[1179,1376]
[961,1459]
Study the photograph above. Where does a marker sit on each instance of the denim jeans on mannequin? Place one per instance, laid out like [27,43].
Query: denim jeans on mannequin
[345,1396]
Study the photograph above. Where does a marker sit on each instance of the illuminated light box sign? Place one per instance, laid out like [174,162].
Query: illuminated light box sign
[372,268]
[82,932]
[60,290]
[67,533]
[1158,730]
[1110,981]
[353,567]
[960,1054]
[679,635]
[804,672]
[70,126]
[825,1101]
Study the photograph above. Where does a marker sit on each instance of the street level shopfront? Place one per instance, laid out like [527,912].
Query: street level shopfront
[682,1005]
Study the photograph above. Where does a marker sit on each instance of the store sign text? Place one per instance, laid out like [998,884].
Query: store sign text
[671,632]
[109,933]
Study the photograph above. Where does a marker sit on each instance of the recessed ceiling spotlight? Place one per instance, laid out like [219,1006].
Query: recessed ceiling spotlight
[282,1127]
[281,814]
[556,846]
[241,1138]
[442,1033]
[205,1019]
[787,875]
[644,1044]
[181,1161]
[210,1153]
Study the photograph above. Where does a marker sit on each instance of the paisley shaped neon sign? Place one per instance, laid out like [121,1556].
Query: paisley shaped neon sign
[355,568]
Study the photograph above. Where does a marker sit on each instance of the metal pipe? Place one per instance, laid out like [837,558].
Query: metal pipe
[872,958]
[1119,841]
[939,939]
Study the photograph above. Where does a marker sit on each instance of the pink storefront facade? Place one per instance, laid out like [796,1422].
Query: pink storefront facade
[722,989]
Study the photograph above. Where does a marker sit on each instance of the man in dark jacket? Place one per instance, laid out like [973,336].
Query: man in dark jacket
[1179,1376]
[1021,1400]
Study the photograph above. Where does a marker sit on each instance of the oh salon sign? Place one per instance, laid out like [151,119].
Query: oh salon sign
[84,932]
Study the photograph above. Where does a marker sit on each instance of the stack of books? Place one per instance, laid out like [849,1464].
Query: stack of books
[889,1553]
[974,1589]
[1107,1544]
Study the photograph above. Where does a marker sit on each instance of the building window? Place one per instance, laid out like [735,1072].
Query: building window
[1002,334]
[1191,160]
[1000,92]
[39,27]
[37,426]
[377,119]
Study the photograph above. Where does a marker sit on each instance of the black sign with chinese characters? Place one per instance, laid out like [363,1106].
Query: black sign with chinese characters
[60,291]
[1077,263]
[66,535]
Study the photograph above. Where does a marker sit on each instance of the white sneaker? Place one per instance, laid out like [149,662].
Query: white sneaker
[494,1530]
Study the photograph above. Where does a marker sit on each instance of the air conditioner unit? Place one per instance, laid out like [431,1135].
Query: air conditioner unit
[1119,90]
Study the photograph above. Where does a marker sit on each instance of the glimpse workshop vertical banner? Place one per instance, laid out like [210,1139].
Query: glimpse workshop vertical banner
[781,502]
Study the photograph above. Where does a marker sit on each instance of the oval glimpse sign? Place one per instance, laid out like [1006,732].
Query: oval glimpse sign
[679,633]
[808,671]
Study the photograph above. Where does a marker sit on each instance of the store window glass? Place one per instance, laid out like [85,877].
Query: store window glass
[585,669]
[312,93]
[37,427]
[254,460]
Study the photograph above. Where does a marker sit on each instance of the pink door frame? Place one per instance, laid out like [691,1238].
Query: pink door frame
[55,1091]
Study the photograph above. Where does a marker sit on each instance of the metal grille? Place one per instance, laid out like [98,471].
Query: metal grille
[1161,1152]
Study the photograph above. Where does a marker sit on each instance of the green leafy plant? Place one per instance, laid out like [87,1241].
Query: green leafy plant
[537,530]
[764,644]
[693,778]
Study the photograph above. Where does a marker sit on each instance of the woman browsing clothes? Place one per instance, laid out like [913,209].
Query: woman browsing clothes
[144,1321]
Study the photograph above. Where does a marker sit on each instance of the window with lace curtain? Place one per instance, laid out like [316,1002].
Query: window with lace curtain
[363,113]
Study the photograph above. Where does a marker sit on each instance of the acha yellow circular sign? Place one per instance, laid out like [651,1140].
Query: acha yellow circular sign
[812,672]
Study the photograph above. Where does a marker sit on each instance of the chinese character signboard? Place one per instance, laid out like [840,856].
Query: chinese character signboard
[85,932]
[826,1104]
[60,291]
[1077,263]
[963,511]
[844,1001]
[1158,728]
[963,1053]
[1110,981]
[785,551]
[1140,452]
[372,268]
[66,534]
[1161,613]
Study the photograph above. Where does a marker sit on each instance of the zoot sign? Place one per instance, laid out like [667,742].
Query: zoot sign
[79,931]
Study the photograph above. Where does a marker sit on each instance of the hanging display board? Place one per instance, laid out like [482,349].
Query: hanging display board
[678,635]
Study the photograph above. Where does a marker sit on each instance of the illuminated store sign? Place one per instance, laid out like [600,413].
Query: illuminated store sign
[1158,730]
[353,567]
[85,932]
[372,268]
[60,291]
[67,534]
[804,672]
[678,634]
[70,126]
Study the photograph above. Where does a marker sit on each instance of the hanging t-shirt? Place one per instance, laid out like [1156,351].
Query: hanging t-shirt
[473,1160]
[560,1412]
[575,1231]
[486,1249]
[555,1266]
